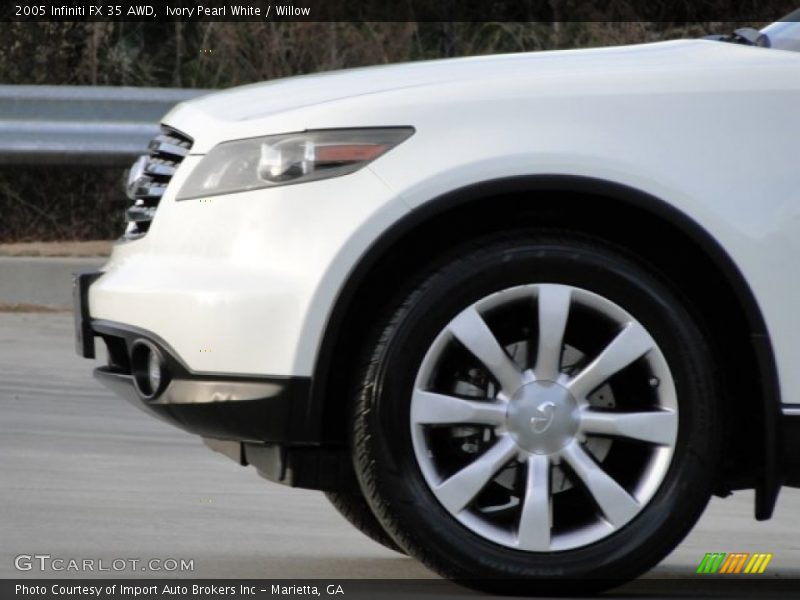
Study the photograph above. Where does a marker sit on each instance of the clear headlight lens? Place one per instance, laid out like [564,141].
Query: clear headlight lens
[274,160]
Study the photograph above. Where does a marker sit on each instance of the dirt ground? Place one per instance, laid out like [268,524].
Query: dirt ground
[30,308]
[66,249]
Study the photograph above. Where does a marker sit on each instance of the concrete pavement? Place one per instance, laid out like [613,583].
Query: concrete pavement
[84,474]
[42,281]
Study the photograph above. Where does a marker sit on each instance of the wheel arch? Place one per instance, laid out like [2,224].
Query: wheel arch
[668,238]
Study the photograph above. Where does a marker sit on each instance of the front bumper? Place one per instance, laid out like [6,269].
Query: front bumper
[267,422]
[260,409]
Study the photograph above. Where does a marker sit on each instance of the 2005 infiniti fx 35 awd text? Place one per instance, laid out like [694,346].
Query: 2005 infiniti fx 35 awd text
[518,316]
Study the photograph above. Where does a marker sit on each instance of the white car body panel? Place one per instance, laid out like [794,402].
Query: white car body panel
[237,298]
[245,283]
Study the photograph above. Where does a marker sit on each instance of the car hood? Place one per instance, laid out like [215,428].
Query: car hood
[261,99]
[286,104]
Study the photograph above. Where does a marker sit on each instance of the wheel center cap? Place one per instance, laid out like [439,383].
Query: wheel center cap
[542,417]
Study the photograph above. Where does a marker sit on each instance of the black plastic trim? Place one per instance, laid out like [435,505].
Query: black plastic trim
[84,336]
[310,467]
[790,445]
[270,418]
[770,476]
[327,469]
[230,407]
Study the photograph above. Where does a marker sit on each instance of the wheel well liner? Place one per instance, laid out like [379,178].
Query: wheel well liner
[664,235]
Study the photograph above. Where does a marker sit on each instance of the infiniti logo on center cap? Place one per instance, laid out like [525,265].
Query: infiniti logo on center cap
[542,424]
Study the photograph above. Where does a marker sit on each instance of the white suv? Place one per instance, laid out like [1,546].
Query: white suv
[519,316]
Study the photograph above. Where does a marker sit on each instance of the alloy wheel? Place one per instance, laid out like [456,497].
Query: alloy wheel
[544,417]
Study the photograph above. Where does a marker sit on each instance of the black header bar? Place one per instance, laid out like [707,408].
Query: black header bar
[677,11]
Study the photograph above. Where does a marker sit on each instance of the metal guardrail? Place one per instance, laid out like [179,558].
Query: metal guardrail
[75,125]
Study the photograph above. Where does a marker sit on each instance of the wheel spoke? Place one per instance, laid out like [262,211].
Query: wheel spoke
[460,489]
[554,302]
[534,522]
[471,330]
[656,427]
[630,344]
[430,408]
[614,501]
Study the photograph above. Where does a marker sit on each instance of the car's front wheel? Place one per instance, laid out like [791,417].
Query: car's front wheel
[537,407]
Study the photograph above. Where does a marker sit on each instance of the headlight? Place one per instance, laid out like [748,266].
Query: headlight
[265,162]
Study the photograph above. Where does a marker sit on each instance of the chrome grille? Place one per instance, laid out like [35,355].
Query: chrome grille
[149,177]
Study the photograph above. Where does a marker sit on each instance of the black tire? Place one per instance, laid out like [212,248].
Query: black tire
[391,478]
[355,509]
